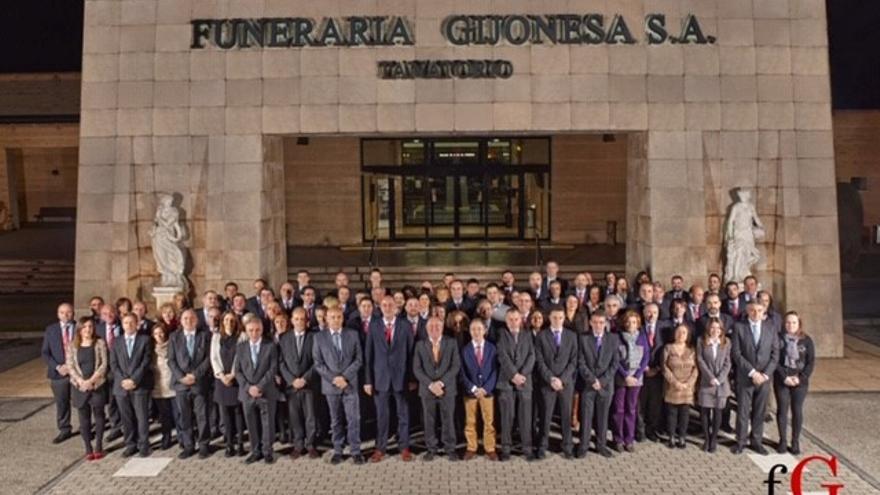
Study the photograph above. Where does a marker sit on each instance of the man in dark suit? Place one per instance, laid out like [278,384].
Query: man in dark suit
[109,328]
[436,365]
[309,302]
[458,301]
[713,310]
[256,301]
[387,352]
[696,304]
[676,289]
[297,369]
[256,363]
[516,360]
[189,358]
[650,417]
[755,353]
[551,269]
[417,324]
[735,304]
[556,358]
[130,360]
[54,351]
[210,299]
[479,374]
[145,325]
[597,363]
[338,359]
[286,298]
[580,289]
[536,288]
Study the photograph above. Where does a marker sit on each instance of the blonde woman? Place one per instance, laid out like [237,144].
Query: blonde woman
[87,362]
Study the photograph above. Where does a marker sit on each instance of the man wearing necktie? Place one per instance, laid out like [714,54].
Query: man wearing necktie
[189,359]
[479,373]
[436,365]
[516,361]
[56,341]
[755,352]
[256,363]
[130,363]
[556,359]
[338,360]
[388,352]
[597,364]
[650,418]
[297,370]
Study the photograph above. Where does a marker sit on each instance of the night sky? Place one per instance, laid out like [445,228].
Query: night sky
[46,36]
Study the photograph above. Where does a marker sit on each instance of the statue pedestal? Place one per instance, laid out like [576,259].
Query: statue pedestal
[164,295]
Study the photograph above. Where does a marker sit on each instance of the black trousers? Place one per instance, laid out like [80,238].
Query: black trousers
[85,413]
[259,414]
[710,419]
[595,407]
[790,398]
[650,417]
[301,414]
[515,404]
[677,420]
[193,404]
[551,398]
[165,408]
[445,408]
[750,410]
[61,393]
[233,421]
[134,410]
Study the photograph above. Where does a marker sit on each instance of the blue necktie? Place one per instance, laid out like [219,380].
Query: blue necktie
[598,344]
[190,343]
[255,351]
[557,336]
[756,333]
[129,345]
[337,341]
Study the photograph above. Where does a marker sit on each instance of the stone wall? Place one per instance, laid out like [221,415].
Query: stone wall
[857,154]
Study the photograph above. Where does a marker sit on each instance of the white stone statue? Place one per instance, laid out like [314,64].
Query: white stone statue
[167,233]
[741,230]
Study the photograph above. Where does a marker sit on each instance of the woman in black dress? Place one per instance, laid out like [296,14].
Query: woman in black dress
[87,361]
[223,346]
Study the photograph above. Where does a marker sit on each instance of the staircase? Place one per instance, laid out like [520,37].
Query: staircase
[38,276]
[398,276]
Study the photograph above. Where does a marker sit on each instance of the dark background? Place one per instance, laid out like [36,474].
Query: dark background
[46,36]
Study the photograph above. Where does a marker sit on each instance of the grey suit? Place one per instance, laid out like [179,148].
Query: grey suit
[560,362]
[515,356]
[592,366]
[191,399]
[427,372]
[296,362]
[331,362]
[763,358]
[259,413]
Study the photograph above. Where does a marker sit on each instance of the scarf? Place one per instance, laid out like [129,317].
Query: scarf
[633,351]
[791,351]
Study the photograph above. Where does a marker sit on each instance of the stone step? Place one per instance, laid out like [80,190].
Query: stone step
[23,277]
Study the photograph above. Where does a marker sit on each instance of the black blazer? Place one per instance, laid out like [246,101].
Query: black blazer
[446,371]
[515,357]
[545,285]
[805,363]
[601,366]
[53,350]
[296,363]
[137,368]
[553,362]
[467,305]
[199,366]
[262,375]
[420,331]
[763,358]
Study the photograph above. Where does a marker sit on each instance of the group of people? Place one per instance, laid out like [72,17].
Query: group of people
[580,356]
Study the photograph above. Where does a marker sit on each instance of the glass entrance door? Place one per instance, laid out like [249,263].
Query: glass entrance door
[454,189]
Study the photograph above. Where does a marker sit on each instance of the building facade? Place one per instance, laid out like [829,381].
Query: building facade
[293,122]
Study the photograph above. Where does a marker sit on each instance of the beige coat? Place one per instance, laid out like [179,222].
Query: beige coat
[101,364]
[680,368]
[162,373]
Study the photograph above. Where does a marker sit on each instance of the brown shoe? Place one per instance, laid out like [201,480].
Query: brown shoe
[313,453]
[469,455]
[295,454]
[492,456]
[377,456]
[406,455]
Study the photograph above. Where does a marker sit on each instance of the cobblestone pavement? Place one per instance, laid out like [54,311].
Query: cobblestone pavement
[652,469]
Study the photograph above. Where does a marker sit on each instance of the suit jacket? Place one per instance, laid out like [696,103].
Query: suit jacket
[427,371]
[296,363]
[515,357]
[600,365]
[52,349]
[420,329]
[728,307]
[480,375]
[199,365]
[356,323]
[545,285]
[330,363]
[203,319]
[136,368]
[101,364]
[145,327]
[467,305]
[388,366]
[101,331]
[726,322]
[747,356]
[262,375]
[558,362]
[662,335]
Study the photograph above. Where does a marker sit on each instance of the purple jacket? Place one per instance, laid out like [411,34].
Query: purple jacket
[623,369]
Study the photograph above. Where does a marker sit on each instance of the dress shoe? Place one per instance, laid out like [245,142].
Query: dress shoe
[653,437]
[204,452]
[129,452]
[186,454]
[468,455]
[406,455]
[452,457]
[640,437]
[377,456]
[567,455]
[336,459]
[98,455]
[492,456]
[618,446]
[529,457]
[541,454]
[428,457]
[61,437]
[295,454]
[736,449]
[629,448]
[706,446]
[90,456]
[145,452]
[670,443]
[504,456]
[713,446]
[580,453]
[681,443]
[605,452]
[759,449]
[269,459]
[358,459]
[313,453]
[166,442]
[781,449]
[254,457]
[240,450]
[230,451]
[795,448]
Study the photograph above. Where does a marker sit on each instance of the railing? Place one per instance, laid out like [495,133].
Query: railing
[373,261]
[539,254]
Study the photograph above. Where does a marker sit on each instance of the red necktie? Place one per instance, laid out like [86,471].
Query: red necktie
[651,336]
[479,355]
[65,340]
[366,326]
[581,298]
[388,330]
